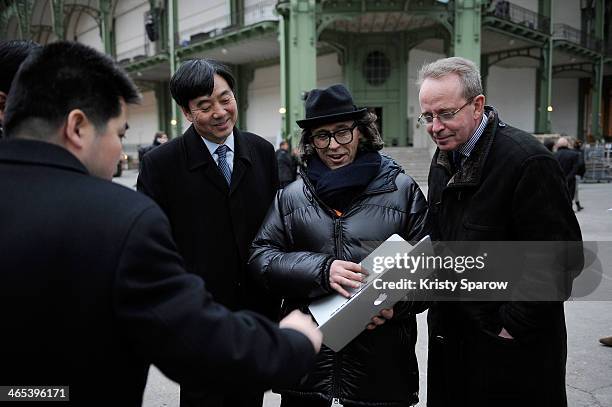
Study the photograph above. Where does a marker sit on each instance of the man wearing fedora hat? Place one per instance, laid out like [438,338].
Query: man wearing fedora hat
[309,246]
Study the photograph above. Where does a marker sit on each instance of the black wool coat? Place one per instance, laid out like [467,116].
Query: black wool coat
[94,292]
[570,161]
[213,224]
[510,188]
[292,254]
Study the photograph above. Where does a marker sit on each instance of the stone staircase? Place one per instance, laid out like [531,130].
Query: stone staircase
[415,161]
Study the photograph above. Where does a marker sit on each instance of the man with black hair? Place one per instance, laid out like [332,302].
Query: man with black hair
[215,184]
[91,283]
[12,54]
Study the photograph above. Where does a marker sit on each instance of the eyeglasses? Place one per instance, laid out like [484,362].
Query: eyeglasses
[323,138]
[428,118]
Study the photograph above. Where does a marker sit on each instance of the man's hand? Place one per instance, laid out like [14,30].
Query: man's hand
[347,274]
[385,314]
[304,324]
[505,334]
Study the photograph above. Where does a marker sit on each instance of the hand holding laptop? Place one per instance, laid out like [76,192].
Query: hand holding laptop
[377,320]
[346,274]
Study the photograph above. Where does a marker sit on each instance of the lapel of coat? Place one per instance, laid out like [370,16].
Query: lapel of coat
[242,159]
[199,159]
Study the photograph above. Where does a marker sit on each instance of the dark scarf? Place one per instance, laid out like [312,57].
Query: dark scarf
[337,188]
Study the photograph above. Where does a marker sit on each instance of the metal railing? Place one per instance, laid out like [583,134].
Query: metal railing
[261,11]
[598,163]
[505,10]
[209,28]
[576,36]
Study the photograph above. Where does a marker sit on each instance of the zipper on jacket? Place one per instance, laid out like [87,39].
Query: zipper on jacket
[337,356]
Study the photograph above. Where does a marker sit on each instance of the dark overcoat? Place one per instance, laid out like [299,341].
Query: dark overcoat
[92,291]
[213,224]
[510,188]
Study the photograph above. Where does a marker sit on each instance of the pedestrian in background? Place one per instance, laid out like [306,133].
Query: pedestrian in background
[569,160]
[579,173]
[287,165]
[158,139]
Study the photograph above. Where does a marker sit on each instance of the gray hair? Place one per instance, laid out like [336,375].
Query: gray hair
[466,70]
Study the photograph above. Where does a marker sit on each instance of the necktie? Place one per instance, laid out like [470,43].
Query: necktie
[223,165]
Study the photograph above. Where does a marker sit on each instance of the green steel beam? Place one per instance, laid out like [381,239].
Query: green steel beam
[583,67]
[259,30]
[237,12]
[544,76]
[106,26]
[245,75]
[164,101]
[58,19]
[467,27]
[298,38]
[24,14]
[146,63]
[525,52]
[5,16]
[177,118]
[598,74]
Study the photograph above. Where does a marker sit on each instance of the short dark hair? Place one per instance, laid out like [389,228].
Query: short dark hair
[12,54]
[63,76]
[372,140]
[196,77]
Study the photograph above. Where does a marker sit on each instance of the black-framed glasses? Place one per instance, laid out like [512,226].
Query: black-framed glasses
[321,139]
[428,118]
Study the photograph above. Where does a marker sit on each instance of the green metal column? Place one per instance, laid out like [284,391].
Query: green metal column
[164,101]
[58,19]
[237,12]
[468,22]
[598,73]
[5,17]
[24,14]
[176,120]
[106,26]
[298,41]
[544,75]
[245,75]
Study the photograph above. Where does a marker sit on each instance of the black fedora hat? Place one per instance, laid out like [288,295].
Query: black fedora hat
[330,105]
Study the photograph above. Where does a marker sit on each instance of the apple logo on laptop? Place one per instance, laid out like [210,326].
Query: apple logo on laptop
[381,298]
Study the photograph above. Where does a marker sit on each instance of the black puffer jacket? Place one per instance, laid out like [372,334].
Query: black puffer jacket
[292,254]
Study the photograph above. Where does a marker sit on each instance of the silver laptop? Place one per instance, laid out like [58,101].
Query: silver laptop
[342,319]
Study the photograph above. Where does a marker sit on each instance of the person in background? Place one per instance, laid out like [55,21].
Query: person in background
[287,165]
[158,139]
[579,172]
[569,160]
[12,54]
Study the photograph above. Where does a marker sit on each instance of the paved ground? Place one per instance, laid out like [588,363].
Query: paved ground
[589,366]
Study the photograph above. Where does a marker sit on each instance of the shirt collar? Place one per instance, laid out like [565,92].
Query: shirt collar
[466,149]
[212,147]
